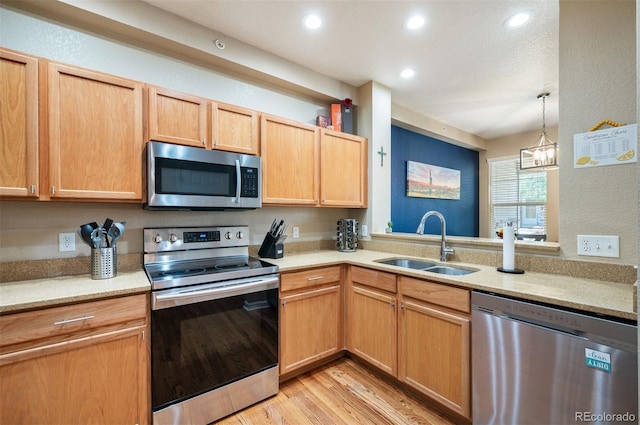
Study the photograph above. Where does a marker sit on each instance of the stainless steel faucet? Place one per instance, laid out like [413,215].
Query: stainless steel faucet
[444,251]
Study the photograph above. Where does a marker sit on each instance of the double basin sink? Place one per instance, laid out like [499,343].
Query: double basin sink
[426,266]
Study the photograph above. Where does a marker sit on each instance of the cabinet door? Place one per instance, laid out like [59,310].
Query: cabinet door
[343,170]
[99,379]
[289,153]
[95,135]
[434,354]
[372,327]
[18,125]
[235,129]
[310,327]
[176,117]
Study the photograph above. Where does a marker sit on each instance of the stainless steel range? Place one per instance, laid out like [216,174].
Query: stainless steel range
[214,323]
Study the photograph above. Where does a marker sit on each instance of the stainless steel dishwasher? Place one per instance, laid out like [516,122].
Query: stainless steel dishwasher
[539,364]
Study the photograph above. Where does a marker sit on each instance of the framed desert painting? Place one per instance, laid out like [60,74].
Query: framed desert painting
[431,181]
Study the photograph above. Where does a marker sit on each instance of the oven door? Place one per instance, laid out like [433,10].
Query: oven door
[207,336]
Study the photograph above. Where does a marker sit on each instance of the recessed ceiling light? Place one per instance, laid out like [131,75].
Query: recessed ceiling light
[517,20]
[407,73]
[312,21]
[415,22]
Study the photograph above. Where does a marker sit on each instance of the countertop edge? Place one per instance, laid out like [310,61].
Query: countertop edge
[41,293]
[600,297]
[519,286]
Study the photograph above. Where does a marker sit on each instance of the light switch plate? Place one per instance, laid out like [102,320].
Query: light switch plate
[599,246]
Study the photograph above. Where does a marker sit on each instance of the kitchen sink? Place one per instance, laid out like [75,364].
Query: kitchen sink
[426,266]
[453,271]
[407,263]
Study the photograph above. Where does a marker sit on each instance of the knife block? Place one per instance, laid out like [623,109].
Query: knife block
[270,248]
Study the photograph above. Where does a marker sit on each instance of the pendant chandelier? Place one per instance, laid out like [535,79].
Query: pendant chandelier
[545,153]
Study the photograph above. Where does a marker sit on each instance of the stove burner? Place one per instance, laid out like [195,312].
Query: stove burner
[230,266]
[184,272]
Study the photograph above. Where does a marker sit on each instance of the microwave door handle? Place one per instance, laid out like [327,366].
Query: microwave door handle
[238,181]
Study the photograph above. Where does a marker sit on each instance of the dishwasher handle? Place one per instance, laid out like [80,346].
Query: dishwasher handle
[545,326]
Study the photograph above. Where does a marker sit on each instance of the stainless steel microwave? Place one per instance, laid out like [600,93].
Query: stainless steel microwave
[184,177]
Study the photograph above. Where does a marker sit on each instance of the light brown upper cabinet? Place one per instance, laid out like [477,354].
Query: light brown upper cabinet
[290,166]
[176,117]
[95,135]
[305,165]
[234,129]
[189,120]
[18,125]
[343,170]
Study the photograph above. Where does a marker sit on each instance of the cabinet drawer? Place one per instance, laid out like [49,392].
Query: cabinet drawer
[308,278]
[51,322]
[374,278]
[435,293]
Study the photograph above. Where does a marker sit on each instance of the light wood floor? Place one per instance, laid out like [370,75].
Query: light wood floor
[343,392]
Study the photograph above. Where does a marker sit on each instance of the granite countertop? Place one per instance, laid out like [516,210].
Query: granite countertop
[610,298]
[38,293]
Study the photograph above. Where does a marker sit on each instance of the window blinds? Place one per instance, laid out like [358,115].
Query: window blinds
[517,196]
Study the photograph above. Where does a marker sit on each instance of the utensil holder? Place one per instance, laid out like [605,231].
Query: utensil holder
[347,235]
[103,263]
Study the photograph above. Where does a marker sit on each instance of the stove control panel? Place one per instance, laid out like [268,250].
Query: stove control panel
[168,239]
[211,236]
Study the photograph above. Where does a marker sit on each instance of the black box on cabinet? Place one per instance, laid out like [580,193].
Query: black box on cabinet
[349,119]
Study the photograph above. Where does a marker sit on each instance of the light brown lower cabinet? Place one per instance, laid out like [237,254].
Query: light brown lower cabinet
[372,318]
[434,342]
[310,317]
[416,330]
[78,364]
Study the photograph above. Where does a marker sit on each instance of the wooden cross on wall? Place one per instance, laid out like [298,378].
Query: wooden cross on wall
[382,154]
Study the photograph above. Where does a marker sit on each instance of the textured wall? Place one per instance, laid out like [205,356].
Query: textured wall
[597,82]
[29,230]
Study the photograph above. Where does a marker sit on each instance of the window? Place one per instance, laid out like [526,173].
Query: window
[517,196]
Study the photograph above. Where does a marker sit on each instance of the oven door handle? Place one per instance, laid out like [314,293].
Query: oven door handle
[208,292]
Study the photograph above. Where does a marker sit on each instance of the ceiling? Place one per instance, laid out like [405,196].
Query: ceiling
[471,72]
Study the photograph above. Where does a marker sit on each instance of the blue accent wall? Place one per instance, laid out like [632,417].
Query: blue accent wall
[461,215]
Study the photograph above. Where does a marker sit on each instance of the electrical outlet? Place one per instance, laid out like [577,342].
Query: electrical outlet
[365,230]
[66,242]
[599,246]
[296,232]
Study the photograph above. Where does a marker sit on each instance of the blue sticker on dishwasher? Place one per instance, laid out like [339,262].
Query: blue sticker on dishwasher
[597,360]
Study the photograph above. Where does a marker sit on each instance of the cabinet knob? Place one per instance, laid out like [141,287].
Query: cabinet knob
[32,189]
[53,190]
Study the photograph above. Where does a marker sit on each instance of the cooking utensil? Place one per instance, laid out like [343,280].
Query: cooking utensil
[116,230]
[97,238]
[105,230]
[85,233]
